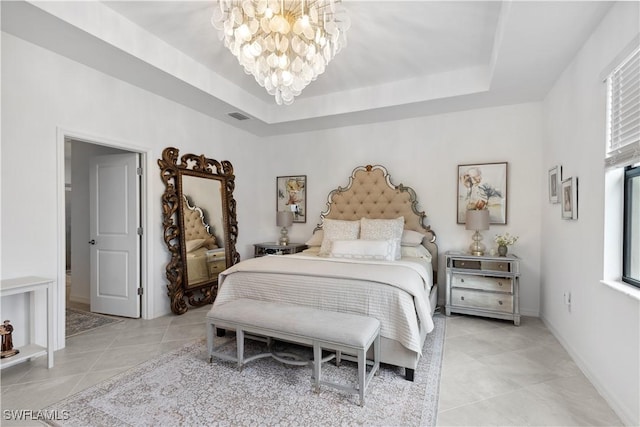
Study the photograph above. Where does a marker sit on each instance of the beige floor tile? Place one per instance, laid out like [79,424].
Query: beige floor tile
[138,336]
[126,357]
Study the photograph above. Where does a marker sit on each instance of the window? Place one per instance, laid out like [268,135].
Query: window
[623,153]
[631,234]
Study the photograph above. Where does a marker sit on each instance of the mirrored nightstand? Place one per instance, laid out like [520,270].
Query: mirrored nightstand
[483,285]
[262,249]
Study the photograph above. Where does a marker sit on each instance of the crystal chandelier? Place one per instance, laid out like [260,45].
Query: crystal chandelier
[284,44]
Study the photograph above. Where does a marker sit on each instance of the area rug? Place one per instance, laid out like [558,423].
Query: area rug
[182,389]
[78,322]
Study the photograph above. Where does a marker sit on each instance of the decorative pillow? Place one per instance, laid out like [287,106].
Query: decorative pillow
[416,252]
[336,229]
[383,229]
[411,238]
[192,245]
[316,239]
[312,250]
[383,250]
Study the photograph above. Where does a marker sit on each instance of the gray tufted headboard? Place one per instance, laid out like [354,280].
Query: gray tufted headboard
[371,194]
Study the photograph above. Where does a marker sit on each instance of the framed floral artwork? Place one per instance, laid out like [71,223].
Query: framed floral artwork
[292,196]
[569,194]
[555,181]
[483,186]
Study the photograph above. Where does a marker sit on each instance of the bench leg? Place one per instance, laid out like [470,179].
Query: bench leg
[240,347]
[362,372]
[317,366]
[210,334]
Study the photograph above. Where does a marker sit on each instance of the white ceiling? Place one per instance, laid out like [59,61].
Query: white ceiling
[403,58]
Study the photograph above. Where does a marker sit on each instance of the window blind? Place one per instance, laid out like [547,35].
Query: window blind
[623,121]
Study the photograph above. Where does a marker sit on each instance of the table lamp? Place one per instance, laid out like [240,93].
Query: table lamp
[284,219]
[478,220]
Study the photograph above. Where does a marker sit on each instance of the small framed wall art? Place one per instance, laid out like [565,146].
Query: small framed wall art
[569,194]
[555,181]
[292,196]
[483,186]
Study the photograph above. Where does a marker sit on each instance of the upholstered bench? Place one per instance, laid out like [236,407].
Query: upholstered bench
[340,332]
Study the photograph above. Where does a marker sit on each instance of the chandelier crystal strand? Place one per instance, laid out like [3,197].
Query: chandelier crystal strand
[284,44]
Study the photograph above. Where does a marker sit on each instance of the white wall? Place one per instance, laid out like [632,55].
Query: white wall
[424,153]
[602,328]
[43,92]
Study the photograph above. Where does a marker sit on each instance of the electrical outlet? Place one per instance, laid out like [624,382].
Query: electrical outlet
[567,299]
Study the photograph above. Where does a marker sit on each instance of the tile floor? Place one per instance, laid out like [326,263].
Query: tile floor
[493,373]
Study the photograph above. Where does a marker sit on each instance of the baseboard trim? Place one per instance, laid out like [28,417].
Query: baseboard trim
[81,300]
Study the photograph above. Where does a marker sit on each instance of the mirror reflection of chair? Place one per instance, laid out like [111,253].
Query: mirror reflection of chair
[200,226]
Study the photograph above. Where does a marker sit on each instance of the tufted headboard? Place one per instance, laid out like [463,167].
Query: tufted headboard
[371,194]
[194,225]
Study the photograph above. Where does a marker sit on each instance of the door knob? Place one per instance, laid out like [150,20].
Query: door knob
[92,242]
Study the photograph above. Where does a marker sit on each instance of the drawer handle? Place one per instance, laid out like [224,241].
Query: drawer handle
[500,302]
[462,263]
[500,266]
[500,284]
[462,298]
[461,280]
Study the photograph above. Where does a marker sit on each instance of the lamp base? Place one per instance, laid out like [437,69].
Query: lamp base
[284,237]
[477,248]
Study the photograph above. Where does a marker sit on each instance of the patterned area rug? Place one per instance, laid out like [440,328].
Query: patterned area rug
[182,388]
[78,322]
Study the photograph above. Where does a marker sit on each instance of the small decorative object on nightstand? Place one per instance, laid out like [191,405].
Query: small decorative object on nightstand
[504,241]
[262,249]
[483,286]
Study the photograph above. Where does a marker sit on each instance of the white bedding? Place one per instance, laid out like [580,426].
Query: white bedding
[395,292]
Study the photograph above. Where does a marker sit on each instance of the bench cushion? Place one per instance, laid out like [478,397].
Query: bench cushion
[329,326]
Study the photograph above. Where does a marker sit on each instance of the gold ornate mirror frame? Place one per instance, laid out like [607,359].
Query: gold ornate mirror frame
[176,205]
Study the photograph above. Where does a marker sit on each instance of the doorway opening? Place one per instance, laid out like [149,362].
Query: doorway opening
[83,252]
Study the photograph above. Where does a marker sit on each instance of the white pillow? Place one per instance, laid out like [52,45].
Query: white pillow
[411,238]
[383,250]
[383,229]
[316,239]
[336,229]
[192,245]
[416,252]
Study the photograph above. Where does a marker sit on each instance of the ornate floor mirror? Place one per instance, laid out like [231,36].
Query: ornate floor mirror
[200,225]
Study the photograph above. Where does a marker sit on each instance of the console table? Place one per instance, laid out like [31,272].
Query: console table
[24,285]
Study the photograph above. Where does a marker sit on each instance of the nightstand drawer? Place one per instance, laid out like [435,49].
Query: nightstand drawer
[486,283]
[496,265]
[216,267]
[215,255]
[465,263]
[482,300]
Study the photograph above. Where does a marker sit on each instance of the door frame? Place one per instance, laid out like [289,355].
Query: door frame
[146,261]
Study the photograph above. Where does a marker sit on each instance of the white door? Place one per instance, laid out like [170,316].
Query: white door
[114,239]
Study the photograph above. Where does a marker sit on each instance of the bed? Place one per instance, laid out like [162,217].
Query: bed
[200,245]
[387,268]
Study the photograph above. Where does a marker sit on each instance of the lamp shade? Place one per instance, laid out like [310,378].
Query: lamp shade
[284,219]
[477,219]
